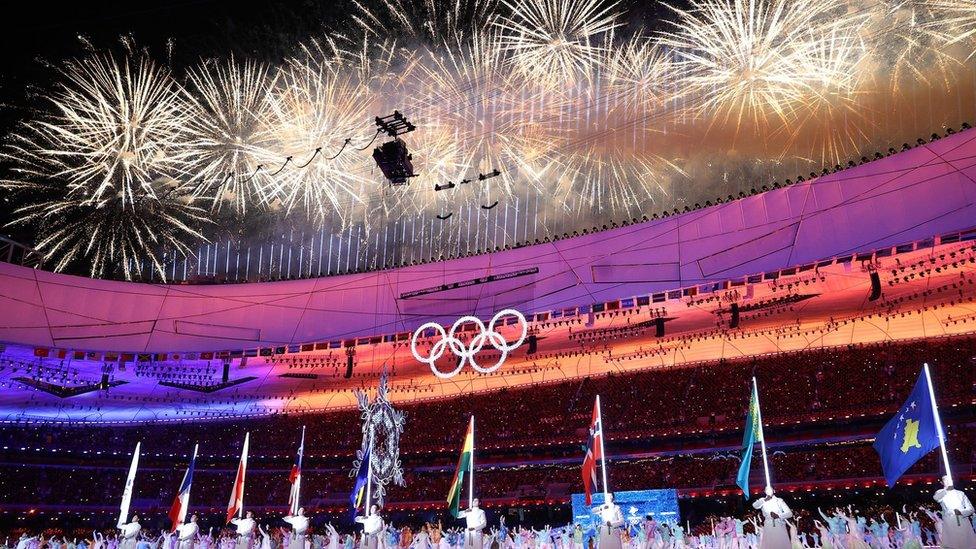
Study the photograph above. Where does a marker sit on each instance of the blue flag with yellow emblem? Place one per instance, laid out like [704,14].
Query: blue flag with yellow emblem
[358,495]
[910,435]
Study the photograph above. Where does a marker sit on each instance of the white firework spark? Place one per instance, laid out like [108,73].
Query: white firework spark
[312,112]
[116,237]
[111,128]
[433,20]
[640,74]
[607,176]
[225,133]
[831,118]
[106,154]
[467,96]
[953,22]
[905,38]
[557,42]
[748,61]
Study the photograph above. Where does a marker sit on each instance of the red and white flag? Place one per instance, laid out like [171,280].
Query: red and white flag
[594,453]
[236,504]
[295,478]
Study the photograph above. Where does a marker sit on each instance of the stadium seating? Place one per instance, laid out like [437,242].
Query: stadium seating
[532,436]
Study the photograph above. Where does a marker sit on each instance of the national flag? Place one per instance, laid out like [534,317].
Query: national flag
[129,485]
[753,434]
[463,466]
[295,477]
[177,513]
[594,453]
[358,496]
[910,435]
[236,504]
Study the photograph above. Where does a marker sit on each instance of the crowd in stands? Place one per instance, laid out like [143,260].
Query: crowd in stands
[523,434]
[794,387]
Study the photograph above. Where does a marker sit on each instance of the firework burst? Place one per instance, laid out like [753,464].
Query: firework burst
[607,176]
[115,236]
[640,73]
[110,129]
[557,42]
[105,154]
[904,38]
[831,118]
[495,121]
[749,61]
[310,166]
[225,135]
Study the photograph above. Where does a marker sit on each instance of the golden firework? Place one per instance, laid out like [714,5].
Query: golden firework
[556,42]
[226,134]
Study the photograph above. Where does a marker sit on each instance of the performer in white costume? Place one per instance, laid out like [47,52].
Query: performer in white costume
[372,526]
[130,533]
[265,538]
[476,523]
[775,513]
[187,532]
[957,512]
[299,525]
[25,540]
[611,521]
[245,530]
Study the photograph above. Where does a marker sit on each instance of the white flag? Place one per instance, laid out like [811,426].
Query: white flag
[127,492]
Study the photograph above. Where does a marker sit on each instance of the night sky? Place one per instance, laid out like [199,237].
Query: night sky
[266,30]
[50,31]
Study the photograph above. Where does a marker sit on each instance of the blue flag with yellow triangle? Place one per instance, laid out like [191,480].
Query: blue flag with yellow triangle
[358,495]
[910,435]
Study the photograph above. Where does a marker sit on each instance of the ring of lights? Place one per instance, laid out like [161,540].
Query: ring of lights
[466,352]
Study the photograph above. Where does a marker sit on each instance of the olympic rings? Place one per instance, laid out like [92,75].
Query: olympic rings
[466,353]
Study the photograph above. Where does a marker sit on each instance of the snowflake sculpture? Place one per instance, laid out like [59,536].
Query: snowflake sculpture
[385,424]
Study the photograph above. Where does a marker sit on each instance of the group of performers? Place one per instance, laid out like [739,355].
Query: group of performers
[776,527]
[955,527]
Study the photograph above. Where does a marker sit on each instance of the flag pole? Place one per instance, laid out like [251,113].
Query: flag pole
[247,438]
[471,476]
[762,434]
[603,453]
[938,422]
[298,481]
[196,447]
[369,471]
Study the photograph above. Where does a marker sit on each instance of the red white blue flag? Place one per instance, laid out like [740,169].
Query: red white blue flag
[593,453]
[177,513]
